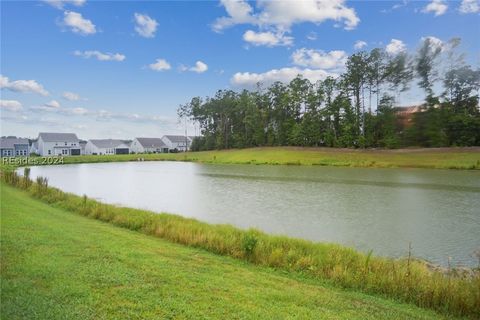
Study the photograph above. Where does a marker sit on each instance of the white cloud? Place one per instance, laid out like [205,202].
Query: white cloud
[130,117]
[268,38]
[79,111]
[312,36]
[395,46]
[78,24]
[100,56]
[60,4]
[55,107]
[239,12]
[89,123]
[319,58]
[283,14]
[469,6]
[160,65]
[199,67]
[438,7]
[11,105]
[359,44]
[286,13]
[248,79]
[399,5]
[53,104]
[71,96]
[275,18]
[145,26]
[22,86]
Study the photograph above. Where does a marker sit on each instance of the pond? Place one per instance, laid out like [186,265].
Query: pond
[437,211]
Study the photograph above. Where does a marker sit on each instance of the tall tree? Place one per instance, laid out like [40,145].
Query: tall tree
[355,78]
[425,66]
[459,85]
[376,71]
[399,73]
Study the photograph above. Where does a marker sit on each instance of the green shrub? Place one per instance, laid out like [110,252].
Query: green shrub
[249,242]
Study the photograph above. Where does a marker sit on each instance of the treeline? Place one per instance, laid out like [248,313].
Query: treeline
[357,109]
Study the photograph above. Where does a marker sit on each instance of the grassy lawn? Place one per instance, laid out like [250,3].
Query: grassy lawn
[58,265]
[444,158]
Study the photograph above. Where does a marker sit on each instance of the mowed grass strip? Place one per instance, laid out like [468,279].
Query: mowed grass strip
[441,158]
[58,265]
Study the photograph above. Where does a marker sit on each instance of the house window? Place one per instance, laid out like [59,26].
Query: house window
[65,143]
[49,152]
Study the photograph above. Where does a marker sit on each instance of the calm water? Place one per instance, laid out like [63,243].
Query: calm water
[438,211]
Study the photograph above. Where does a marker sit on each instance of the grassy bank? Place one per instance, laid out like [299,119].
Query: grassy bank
[444,158]
[405,280]
[58,265]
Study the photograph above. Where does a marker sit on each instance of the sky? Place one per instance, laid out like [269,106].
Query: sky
[120,69]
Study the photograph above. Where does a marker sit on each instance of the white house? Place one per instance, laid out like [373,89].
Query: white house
[179,143]
[33,146]
[106,147]
[148,145]
[82,143]
[58,144]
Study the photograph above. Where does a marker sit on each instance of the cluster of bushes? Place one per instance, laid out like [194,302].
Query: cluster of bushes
[408,279]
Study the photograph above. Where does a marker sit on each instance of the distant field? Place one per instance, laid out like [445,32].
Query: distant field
[58,265]
[440,158]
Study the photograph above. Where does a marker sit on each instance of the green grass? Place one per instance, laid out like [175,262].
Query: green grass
[404,280]
[444,158]
[58,265]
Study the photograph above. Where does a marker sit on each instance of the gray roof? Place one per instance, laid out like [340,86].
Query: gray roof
[176,139]
[107,143]
[10,142]
[151,142]
[55,137]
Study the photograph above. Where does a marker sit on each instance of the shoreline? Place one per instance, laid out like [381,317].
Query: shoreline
[465,158]
[151,270]
[408,279]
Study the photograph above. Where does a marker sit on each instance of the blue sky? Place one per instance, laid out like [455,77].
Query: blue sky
[120,69]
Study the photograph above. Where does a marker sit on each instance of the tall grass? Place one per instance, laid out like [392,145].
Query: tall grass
[407,280]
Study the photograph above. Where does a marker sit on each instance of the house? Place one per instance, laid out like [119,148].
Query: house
[148,145]
[405,115]
[13,147]
[82,144]
[178,143]
[106,147]
[58,144]
[33,146]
